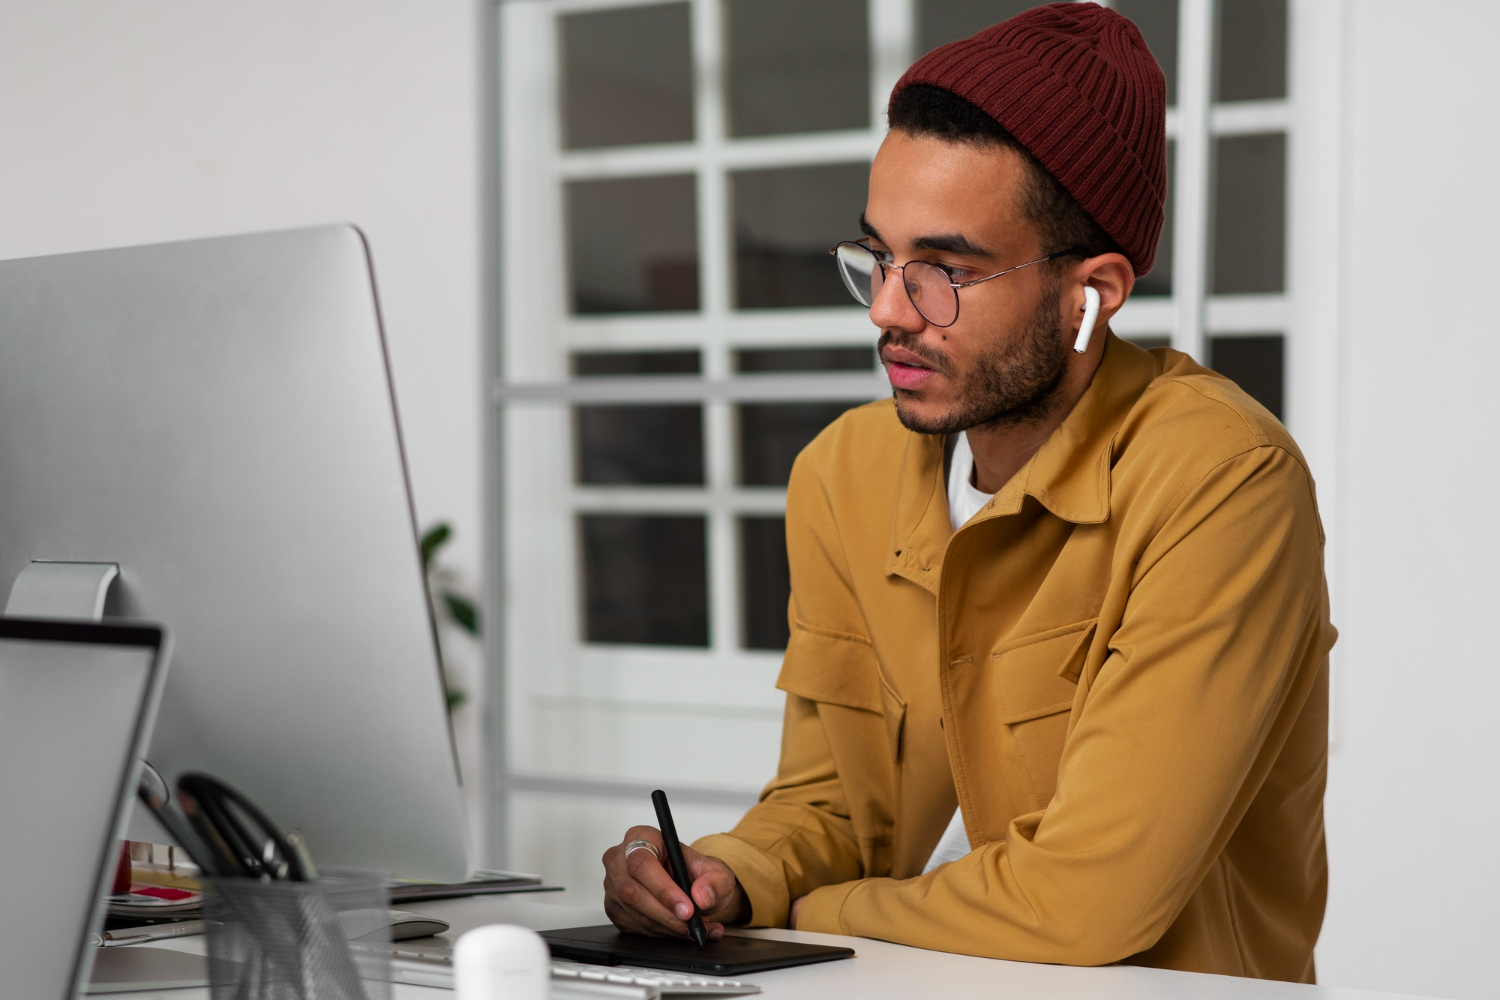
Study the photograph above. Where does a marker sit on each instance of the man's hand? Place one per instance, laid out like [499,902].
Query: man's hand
[640,896]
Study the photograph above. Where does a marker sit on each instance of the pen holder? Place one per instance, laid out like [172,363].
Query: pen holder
[291,940]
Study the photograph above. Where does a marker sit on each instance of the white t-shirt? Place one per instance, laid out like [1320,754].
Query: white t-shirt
[964,501]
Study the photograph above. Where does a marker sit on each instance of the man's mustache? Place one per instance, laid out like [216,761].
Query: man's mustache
[933,358]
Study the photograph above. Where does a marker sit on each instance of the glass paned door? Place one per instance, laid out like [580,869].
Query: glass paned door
[674,334]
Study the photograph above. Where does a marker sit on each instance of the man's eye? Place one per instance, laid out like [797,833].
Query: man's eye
[954,273]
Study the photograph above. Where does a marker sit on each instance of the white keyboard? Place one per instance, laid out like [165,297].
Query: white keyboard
[666,983]
[432,966]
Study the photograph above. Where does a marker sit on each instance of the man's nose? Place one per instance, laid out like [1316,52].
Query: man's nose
[893,309]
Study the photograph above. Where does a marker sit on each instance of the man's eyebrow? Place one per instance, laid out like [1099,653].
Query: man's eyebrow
[951,243]
[956,243]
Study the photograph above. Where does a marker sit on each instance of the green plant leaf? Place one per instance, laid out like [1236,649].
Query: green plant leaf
[435,538]
[463,612]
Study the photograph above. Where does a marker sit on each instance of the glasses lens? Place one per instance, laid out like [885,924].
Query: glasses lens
[861,272]
[932,293]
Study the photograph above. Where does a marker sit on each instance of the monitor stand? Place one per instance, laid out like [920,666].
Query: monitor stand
[53,589]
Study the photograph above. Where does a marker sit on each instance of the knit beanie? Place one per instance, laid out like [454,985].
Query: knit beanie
[1076,86]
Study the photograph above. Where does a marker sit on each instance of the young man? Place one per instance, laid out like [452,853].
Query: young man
[1057,679]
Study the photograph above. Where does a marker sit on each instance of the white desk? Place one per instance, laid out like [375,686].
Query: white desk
[881,971]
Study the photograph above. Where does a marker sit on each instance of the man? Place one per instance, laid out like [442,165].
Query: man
[1072,602]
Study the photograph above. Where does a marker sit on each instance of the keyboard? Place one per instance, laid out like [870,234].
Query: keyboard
[665,983]
[432,965]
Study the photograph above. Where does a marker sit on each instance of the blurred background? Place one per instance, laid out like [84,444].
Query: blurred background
[600,232]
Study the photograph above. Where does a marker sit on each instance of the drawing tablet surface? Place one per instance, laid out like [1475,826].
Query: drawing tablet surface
[731,955]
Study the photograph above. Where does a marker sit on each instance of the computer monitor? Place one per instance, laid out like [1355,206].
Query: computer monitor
[217,418]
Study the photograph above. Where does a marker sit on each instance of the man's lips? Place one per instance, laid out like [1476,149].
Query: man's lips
[905,369]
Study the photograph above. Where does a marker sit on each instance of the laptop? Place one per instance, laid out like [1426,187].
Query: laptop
[77,702]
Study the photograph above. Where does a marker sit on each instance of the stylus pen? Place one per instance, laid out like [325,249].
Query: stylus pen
[677,865]
[154,932]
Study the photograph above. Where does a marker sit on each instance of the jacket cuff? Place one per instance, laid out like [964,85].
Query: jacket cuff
[823,908]
[759,875]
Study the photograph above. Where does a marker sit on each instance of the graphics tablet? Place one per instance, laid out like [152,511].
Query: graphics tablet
[731,955]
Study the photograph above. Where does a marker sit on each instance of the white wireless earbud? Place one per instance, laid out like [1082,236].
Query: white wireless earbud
[1090,317]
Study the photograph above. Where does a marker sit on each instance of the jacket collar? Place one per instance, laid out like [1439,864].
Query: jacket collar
[1069,474]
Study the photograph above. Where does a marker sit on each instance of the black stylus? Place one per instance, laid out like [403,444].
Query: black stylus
[676,865]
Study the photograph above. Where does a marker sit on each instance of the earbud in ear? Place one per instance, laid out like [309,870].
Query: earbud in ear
[1090,317]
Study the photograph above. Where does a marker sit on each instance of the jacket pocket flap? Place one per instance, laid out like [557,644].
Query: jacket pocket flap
[831,668]
[1037,675]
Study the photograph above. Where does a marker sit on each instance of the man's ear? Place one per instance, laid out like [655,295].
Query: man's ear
[1112,276]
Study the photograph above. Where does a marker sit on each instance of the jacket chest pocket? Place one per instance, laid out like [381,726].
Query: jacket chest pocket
[1035,678]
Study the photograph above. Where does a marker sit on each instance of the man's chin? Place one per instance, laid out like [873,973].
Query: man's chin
[923,418]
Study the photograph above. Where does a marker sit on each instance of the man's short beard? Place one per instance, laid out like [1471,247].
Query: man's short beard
[1016,383]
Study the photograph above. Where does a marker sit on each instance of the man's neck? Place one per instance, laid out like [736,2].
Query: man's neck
[1000,451]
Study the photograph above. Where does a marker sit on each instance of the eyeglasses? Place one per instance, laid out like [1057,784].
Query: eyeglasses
[930,287]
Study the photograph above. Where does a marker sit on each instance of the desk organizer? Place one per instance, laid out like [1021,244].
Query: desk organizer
[290,940]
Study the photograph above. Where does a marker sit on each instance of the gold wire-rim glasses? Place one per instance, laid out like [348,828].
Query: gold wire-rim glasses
[845,267]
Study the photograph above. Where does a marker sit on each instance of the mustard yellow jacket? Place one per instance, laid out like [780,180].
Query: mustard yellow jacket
[1119,668]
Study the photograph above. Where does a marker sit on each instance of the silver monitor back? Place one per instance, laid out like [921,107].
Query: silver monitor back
[217,417]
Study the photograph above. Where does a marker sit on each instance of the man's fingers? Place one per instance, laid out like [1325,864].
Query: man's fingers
[654,897]
[651,873]
[630,921]
[713,883]
[641,896]
[634,884]
[713,889]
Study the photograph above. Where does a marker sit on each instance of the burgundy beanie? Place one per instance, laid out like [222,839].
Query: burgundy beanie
[1076,85]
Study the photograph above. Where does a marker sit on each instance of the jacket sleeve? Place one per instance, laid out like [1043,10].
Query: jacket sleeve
[800,835]
[1222,638]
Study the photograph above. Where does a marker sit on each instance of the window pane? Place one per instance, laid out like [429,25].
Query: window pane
[639,445]
[1149,342]
[1252,50]
[942,21]
[1257,364]
[766,582]
[634,244]
[1250,214]
[1157,20]
[1159,281]
[796,66]
[805,359]
[772,434]
[784,222]
[627,76]
[601,363]
[645,579]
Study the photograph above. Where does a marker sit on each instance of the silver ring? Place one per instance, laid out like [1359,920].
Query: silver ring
[641,845]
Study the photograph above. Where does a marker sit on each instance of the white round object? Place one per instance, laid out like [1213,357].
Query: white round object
[501,962]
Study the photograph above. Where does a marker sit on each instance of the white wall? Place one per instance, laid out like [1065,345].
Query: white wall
[135,121]
[140,120]
[1414,793]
